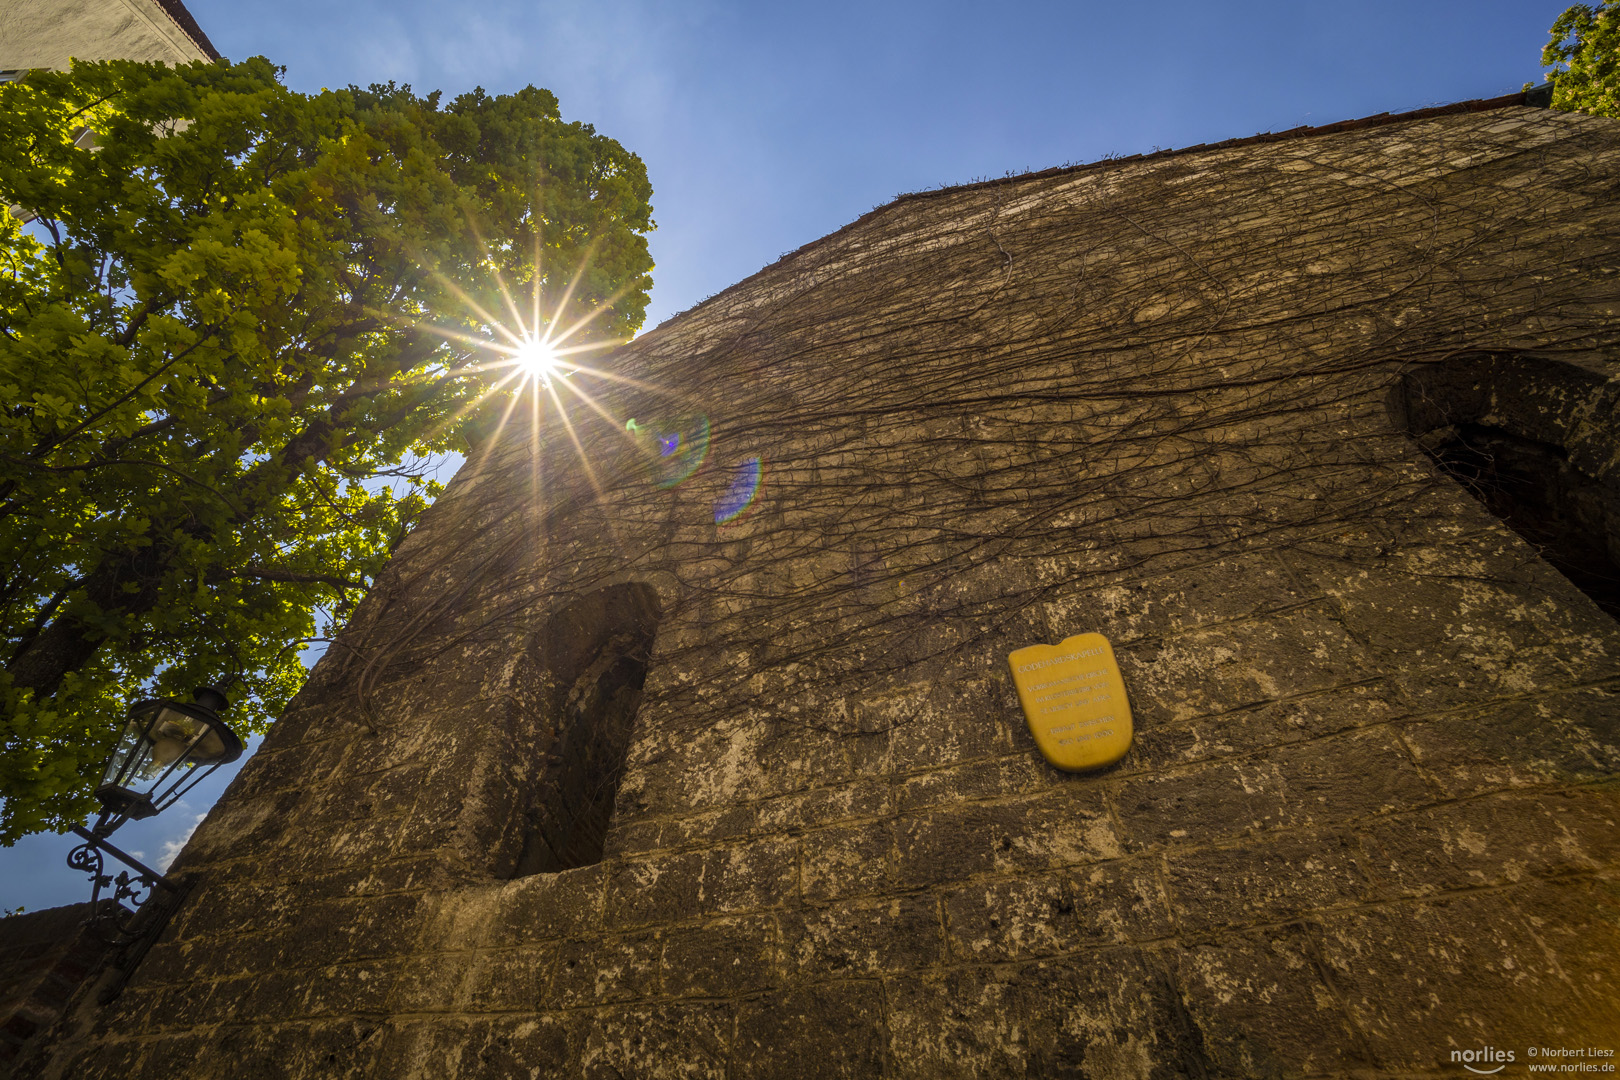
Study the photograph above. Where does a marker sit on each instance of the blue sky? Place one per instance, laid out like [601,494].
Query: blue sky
[765,126]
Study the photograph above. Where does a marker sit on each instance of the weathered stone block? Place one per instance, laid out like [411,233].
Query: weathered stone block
[129,1057]
[660,889]
[174,961]
[520,1048]
[658,1042]
[1265,881]
[402,874]
[1348,777]
[310,763]
[542,907]
[459,920]
[1203,803]
[634,837]
[1107,1012]
[938,724]
[1012,919]
[722,957]
[1422,979]
[639,834]
[1186,599]
[178,1008]
[213,957]
[343,930]
[511,980]
[1217,669]
[955,1024]
[823,806]
[1265,1006]
[1261,726]
[505,1048]
[1473,621]
[1577,919]
[863,937]
[848,860]
[1060,827]
[1481,595]
[434,983]
[794,757]
[686,780]
[1120,901]
[1491,840]
[348,989]
[714,881]
[262,824]
[396,790]
[1555,740]
[990,778]
[593,971]
[355,844]
[870,753]
[825,1030]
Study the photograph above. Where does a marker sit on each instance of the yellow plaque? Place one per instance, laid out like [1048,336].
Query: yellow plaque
[1074,701]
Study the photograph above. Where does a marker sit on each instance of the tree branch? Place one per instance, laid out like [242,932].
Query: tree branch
[270,573]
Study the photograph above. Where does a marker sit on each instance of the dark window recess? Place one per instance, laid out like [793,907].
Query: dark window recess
[1538,494]
[593,657]
[1526,481]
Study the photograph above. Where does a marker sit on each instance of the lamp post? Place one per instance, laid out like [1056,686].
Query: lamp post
[166,747]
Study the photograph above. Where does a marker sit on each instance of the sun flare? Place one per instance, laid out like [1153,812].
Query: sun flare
[537,359]
[532,357]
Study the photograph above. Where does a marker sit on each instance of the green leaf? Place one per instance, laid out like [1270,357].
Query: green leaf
[243,300]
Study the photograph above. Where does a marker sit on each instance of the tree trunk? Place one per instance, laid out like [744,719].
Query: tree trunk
[67,643]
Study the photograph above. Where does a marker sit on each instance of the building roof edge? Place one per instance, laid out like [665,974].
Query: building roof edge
[177,13]
[1530,97]
[1536,97]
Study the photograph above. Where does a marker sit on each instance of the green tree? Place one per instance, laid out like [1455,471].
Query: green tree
[228,314]
[1584,54]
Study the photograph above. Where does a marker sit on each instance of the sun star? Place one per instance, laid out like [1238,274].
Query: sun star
[537,359]
[527,353]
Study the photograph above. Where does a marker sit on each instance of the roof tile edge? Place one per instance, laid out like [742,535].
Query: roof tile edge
[1303,132]
[177,13]
[1535,98]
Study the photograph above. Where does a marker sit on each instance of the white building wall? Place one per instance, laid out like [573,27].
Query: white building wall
[49,33]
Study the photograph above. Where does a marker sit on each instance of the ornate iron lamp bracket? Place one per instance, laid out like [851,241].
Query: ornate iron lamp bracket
[136,909]
[166,747]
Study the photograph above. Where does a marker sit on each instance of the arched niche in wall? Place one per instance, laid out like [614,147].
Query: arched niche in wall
[590,661]
[1536,440]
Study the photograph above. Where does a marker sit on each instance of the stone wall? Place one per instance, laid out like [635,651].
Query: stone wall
[1369,819]
[44,957]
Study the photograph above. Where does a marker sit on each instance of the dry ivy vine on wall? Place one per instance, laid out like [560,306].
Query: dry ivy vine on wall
[977,404]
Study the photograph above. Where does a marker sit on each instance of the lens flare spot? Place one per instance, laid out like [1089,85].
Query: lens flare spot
[741,492]
[674,448]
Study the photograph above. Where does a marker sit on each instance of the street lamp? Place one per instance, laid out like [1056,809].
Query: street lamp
[166,747]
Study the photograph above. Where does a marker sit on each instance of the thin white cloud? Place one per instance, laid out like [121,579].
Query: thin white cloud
[385,49]
[172,846]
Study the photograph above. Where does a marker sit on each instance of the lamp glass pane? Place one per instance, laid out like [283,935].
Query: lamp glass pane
[122,765]
[172,734]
